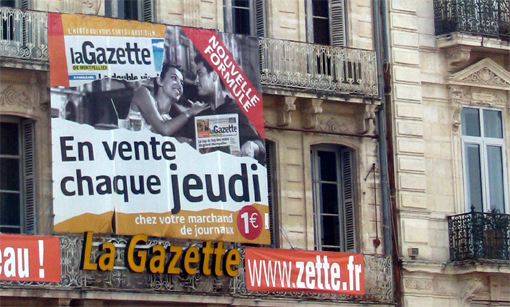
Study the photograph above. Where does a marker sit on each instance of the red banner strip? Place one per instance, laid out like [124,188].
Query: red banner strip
[209,44]
[29,258]
[291,270]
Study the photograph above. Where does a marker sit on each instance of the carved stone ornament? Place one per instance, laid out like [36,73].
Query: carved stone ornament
[419,284]
[332,125]
[91,7]
[483,74]
[470,289]
[368,118]
[16,95]
[456,56]
[312,108]
[458,97]
[285,106]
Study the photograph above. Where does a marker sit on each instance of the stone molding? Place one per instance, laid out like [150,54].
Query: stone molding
[483,74]
[470,288]
[457,56]
[285,105]
[312,107]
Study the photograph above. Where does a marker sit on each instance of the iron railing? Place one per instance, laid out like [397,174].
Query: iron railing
[478,235]
[23,34]
[490,18]
[316,68]
[378,276]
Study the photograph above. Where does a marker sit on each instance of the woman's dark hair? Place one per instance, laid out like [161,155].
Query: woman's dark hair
[166,67]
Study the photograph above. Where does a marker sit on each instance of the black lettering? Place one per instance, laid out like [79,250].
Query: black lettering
[153,181]
[123,148]
[90,150]
[110,153]
[65,191]
[111,58]
[210,193]
[187,186]
[104,187]
[176,195]
[145,150]
[64,148]
[244,180]
[168,147]
[92,54]
[79,182]
[118,189]
[154,143]
[141,190]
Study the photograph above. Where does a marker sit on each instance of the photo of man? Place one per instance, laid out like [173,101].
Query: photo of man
[211,91]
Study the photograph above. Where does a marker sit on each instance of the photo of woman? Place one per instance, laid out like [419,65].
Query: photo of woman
[150,109]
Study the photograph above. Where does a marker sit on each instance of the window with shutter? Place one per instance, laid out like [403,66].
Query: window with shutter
[142,10]
[325,22]
[246,17]
[272,193]
[17,176]
[334,199]
[28,143]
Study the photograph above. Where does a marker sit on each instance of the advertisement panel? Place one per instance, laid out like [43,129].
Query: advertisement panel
[131,103]
[29,258]
[294,270]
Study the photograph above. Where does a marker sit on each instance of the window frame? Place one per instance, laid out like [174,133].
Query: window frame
[112,9]
[258,17]
[337,21]
[483,143]
[348,238]
[27,175]
[272,184]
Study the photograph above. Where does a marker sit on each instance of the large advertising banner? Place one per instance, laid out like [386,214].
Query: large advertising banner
[270,269]
[157,130]
[29,258]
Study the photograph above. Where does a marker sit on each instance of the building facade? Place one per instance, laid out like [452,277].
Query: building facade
[321,96]
[449,113]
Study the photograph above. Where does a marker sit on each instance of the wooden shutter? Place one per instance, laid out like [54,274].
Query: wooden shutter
[348,200]
[29,188]
[260,18]
[337,23]
[271,192]
[147,10]
[24,4]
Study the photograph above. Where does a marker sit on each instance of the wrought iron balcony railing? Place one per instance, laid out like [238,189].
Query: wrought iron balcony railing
[378,277]
[477,235]
[490,18]
[300,66]
[23,34]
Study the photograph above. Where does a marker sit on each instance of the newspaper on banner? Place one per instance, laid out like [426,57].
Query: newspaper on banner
[218,132]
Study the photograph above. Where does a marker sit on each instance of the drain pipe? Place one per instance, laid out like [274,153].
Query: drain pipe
[381,42]
[381,49]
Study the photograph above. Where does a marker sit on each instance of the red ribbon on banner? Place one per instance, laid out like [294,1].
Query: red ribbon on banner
[209,44]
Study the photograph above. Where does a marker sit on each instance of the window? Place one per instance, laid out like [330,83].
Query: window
[333,194]
[14,25]
[130,9]
[272,193]
[246,17]
[483,158]
[17,180]
[325,22]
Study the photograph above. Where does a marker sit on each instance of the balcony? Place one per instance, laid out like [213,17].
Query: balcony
[23,36]
[325,70]
[479,236]
[120,281]
[285,65]
[487,18]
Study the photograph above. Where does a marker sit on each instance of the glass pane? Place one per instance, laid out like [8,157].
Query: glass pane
[130,9]
[330,231]
[329,198]
[9,139]
[474,179]
[9,174]
[496,187]
[320,8]
[241,21]
[10,229]
[241,3]
[9,209]
[470,122]
[327,166]
[492,124]
[321,31]
[11,3]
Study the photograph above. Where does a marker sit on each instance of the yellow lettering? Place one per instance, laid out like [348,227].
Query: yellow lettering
[87,252]
[140,255]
